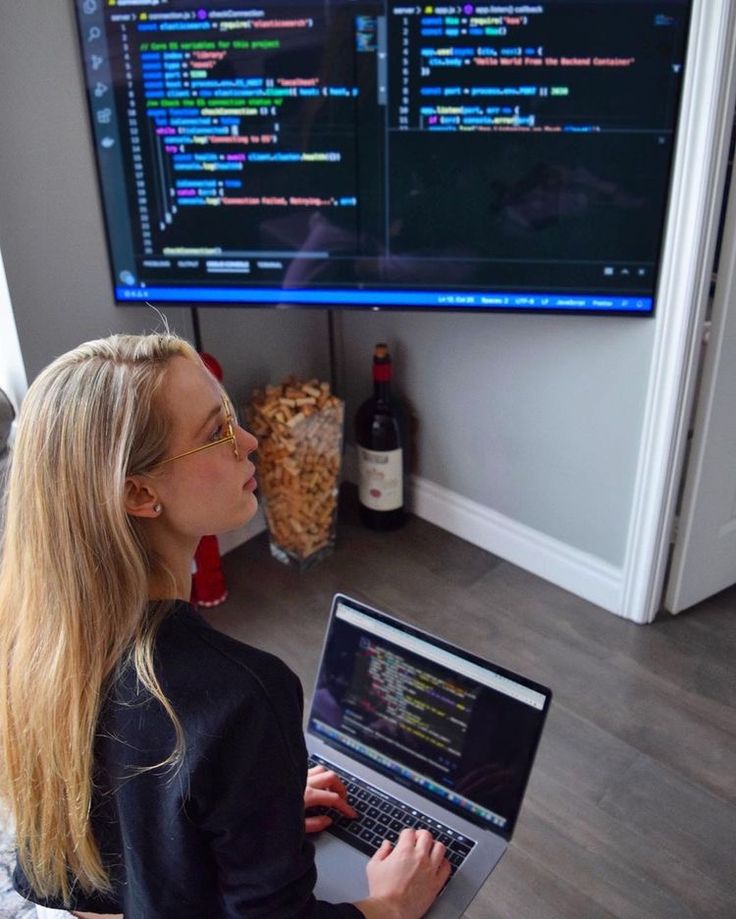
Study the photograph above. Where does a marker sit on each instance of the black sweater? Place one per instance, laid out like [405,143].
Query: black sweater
[224,835]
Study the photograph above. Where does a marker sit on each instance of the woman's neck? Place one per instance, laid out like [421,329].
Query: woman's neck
[171,577]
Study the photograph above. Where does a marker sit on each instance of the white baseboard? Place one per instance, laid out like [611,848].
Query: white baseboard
[579,572]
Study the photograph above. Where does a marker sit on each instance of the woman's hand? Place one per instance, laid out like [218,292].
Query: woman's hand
[324,789]
[404,880]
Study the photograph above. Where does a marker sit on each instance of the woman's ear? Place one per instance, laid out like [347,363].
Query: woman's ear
[140,499]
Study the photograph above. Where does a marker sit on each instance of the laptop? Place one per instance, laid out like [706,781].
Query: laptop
[424,734]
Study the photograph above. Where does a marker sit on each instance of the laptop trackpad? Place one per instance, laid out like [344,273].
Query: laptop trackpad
[340,871]
[341,878]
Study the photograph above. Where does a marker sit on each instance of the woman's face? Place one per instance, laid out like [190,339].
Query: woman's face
[210,491]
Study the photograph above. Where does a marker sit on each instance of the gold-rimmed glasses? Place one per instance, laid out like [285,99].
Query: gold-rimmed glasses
[229,437]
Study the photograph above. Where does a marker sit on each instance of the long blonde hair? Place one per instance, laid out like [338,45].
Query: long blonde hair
[74,577]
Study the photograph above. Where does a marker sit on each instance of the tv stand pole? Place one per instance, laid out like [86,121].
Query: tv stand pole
[197,330]
[332,349]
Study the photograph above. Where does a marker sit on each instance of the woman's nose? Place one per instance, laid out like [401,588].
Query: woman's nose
[246,441]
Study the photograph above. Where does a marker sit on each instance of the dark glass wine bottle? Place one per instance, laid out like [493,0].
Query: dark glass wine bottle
[381,431]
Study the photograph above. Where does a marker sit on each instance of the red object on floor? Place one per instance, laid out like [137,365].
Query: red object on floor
[212,364]
[208,579]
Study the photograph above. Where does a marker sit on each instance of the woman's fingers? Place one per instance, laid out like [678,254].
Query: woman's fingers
[437,854]
[326,789]
[410,876]
[323,797]
[325,778]
[407,837]
[426,846]
[424,840]
[317,824]
[382,852]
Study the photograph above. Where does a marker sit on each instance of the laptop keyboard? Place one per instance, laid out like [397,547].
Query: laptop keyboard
[380,816]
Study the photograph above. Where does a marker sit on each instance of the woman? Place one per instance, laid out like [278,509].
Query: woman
[154,767]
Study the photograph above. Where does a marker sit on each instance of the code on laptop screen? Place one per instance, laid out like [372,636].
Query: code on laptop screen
[428,718]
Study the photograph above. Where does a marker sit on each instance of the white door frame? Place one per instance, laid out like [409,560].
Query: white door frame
[700,164]
[13,378]
[704,552]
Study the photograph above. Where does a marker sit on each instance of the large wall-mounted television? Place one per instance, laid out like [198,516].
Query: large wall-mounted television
[384,154]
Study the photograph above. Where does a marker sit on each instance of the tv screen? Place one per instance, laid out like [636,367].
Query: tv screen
[373,153]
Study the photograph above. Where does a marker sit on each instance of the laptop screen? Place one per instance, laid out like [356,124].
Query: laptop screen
[437,719]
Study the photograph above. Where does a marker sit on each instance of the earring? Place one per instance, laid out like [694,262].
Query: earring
[157,508]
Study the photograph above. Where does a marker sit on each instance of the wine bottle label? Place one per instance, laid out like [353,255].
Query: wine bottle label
[381,479]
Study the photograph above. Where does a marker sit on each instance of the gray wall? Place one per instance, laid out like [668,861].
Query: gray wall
[51,230]
[538,418]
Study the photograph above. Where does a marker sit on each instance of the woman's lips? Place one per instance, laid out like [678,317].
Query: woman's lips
[251,484]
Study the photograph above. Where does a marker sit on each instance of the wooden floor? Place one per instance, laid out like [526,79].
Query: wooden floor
[631,807]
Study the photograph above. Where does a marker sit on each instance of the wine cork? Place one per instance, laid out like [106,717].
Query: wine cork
[299,426]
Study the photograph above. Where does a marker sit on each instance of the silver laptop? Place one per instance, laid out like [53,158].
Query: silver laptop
[425,735]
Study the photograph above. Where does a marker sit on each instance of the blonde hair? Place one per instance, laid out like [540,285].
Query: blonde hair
[74,578]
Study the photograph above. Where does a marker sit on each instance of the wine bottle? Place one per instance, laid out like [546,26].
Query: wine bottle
[381,431]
